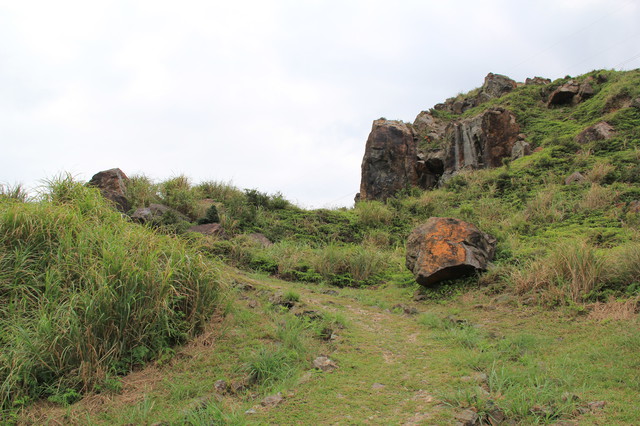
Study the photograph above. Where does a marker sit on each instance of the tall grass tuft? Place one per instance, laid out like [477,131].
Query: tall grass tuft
[84,293]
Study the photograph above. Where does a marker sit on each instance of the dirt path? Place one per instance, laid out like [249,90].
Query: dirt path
[386,372]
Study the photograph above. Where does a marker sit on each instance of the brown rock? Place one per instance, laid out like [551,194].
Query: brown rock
[597,132]
[210,229]
[634,206]
[570,93]
[273,400]
[495,86]
[481,141]
[323,363]
[576,177]
[389,163]
[537,81]
[446,248]
[467,417]
[112,184]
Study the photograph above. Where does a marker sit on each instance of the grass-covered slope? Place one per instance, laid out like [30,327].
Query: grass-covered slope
[85,294]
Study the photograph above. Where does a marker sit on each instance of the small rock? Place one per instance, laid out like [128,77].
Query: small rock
[238,386]
[251,411]
[568,397]
[576,177]
[467,417]
[409,310]
[273,400]
[634,206]
[221,386]
[252,304]
[209,229]
[377,386]
[330,292]
[325,364]
[596,405]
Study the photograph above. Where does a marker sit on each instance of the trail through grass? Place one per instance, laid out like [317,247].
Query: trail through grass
[473,351]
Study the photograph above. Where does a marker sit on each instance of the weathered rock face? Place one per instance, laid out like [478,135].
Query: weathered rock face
[597,132]
[537,81]
[112,184]
[481,141]
[446,248]
[389,163]
[570,93]
[495,85]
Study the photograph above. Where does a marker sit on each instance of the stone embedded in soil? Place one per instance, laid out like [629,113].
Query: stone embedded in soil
[323,363]
[467,417]
[377,386]
[221,386]
[273,400]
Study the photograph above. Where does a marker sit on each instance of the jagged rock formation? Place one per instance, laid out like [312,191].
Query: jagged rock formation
[112,184]
[495,85]
[445,248]
[389,163]
[481,141]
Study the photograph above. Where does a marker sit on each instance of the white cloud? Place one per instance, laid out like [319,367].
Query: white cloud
[277,95]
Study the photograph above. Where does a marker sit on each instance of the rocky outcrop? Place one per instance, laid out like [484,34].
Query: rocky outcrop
[389,163]
[429,129]
[112,184]
[570,93]
[597,132]
[481,141]
[537,81]
[495,86]
[446,248]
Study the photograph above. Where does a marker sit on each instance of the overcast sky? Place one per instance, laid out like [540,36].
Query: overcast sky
[273,95]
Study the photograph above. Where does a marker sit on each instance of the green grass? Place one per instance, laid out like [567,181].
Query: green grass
[85,294]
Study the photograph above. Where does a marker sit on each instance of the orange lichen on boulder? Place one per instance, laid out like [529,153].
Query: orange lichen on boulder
[446,248]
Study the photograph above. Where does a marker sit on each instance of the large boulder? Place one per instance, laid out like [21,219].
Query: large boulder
[597,132]
[445,248]
[481,141]
[112,184]
[389,163]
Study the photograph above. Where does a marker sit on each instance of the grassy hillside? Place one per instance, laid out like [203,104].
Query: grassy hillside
[87,296]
